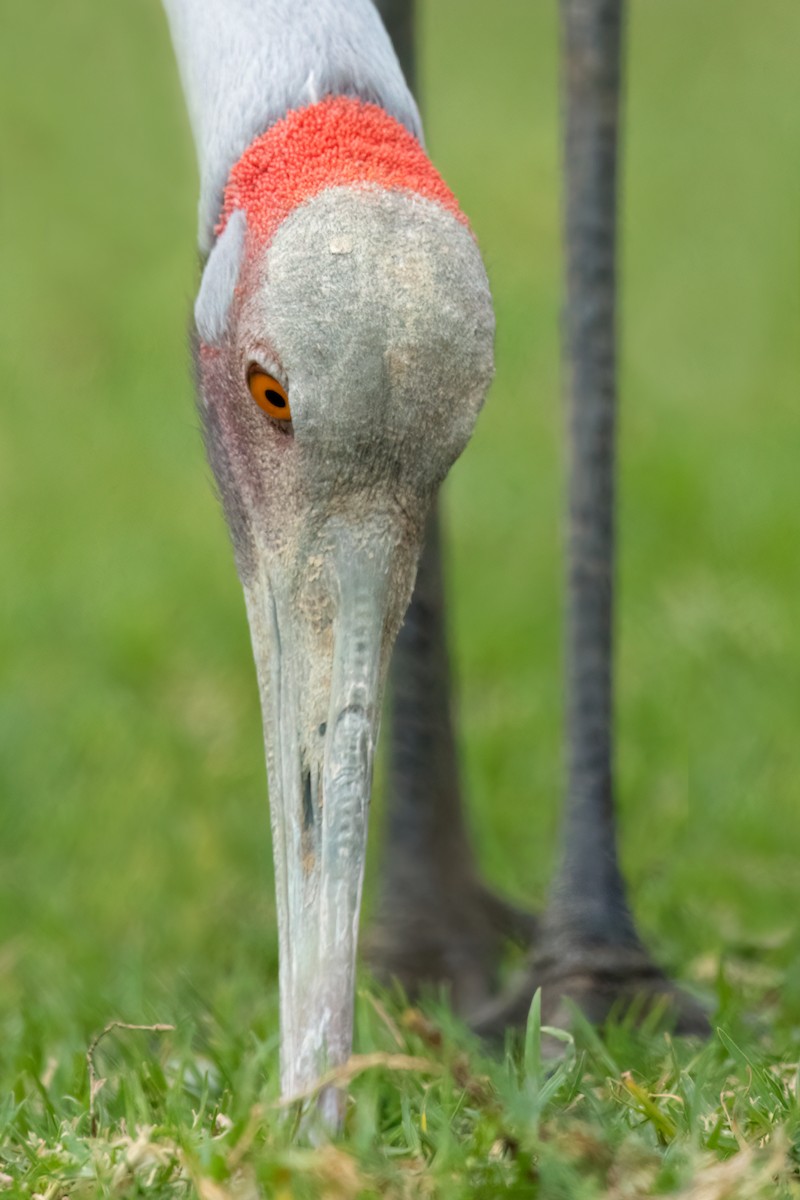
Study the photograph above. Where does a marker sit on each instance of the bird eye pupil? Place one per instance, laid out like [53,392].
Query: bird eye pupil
[276,398]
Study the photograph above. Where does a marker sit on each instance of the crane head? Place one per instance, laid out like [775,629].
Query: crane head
[344,351]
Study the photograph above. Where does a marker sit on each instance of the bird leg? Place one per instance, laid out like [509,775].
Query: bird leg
[437,921]
[589,950]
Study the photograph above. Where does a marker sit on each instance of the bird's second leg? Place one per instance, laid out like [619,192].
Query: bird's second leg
[589,951]
[437,922]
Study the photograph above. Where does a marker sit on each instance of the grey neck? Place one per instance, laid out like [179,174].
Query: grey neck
[244,63]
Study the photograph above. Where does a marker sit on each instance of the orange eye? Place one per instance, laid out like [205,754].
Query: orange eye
[269,395]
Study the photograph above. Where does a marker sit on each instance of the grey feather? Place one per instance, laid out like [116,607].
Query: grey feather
[219,279]
[245,63]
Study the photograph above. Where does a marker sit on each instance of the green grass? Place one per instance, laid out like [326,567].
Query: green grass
[195,1112]
[135,881]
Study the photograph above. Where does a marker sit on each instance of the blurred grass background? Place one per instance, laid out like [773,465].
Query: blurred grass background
[133,821]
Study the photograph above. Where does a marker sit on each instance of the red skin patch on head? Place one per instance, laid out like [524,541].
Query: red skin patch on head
[338,142]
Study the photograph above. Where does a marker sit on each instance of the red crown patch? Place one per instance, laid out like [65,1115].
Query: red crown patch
[337,142]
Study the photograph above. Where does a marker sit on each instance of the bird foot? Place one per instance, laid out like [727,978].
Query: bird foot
[457,940]
[600,981]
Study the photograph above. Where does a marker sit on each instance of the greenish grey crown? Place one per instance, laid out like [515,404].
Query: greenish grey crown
[378,305]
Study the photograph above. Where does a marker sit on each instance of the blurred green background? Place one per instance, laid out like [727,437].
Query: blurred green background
[134,844]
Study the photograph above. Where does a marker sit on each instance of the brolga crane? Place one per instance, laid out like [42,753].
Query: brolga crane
[343,349]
